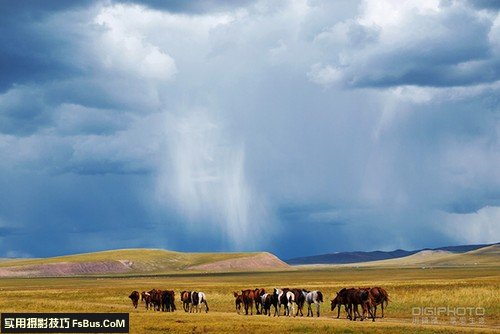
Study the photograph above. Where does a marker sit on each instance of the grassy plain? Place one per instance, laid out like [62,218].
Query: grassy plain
[466,286]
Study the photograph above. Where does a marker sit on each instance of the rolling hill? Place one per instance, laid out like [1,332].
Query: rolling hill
[489,255]
[357,257]
[138,261]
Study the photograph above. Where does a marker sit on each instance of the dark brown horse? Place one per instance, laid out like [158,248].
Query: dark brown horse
[134,296]
[300,299]
[155,299]
[168,301]
[238,301]
[258,301]
[353,298]
[339,300]
[363,298]
[379,297]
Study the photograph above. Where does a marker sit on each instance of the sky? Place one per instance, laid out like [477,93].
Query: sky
[294,127]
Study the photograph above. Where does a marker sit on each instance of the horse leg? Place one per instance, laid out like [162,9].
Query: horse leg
[382,305]
[317,308]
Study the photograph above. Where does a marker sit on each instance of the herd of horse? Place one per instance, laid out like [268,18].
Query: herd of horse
[164,300]
[368,298]
[288,298]
[292,301]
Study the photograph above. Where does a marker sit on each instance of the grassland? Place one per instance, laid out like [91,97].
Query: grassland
[465,286]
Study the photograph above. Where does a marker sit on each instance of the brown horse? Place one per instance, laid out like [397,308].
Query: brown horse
[339,300]
[360,296]
[258,301]
[134,296]
[353,297]
[146,298]
[238,301]
[155,299]
[379,297]
[248,300]
[300,299]
[186,300]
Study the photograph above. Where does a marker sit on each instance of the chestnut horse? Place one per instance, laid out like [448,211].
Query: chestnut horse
[186,300]
[379,297]
[248,300]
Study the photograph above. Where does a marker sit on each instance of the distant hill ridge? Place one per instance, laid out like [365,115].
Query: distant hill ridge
[356,257]
[138,261]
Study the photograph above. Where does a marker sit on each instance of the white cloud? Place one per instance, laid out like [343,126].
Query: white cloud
[126,50]
[324,74]
[482,226]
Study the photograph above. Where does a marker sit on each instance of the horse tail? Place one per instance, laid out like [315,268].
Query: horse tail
[206,305]
[386,297]
[320,296]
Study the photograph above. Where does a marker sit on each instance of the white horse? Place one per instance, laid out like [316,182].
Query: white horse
[198,298]
[288,300]
[315,297]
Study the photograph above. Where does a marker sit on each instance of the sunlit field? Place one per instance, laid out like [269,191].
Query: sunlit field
[408,288]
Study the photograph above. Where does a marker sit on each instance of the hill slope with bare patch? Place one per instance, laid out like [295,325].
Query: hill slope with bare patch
[137,261]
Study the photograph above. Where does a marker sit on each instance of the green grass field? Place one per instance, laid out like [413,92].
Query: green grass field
[474,286]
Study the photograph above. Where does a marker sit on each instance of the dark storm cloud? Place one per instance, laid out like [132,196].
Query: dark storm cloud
[191,7]
[147,123]
[31,52]
[487,4]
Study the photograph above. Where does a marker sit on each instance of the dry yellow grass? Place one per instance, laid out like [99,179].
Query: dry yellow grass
[408,287]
